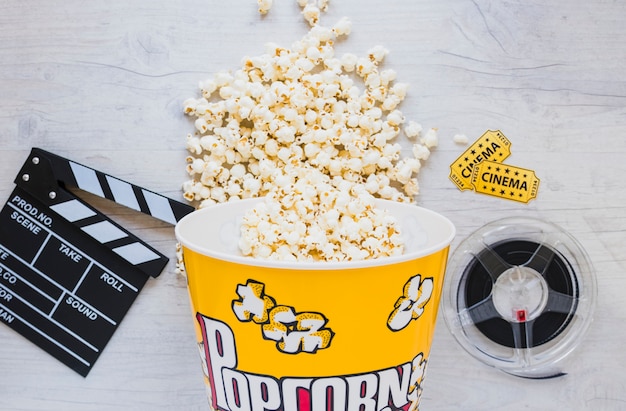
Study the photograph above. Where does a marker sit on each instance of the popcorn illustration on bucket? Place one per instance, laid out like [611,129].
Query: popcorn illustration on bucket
[300,336]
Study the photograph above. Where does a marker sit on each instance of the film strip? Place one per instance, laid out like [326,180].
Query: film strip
[68,273]
[519,295]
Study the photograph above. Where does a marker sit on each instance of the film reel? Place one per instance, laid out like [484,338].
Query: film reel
[519,294]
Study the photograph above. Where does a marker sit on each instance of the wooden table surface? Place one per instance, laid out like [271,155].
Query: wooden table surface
[103,83]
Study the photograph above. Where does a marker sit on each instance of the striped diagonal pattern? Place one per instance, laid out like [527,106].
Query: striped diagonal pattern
[127,194]
[109,234]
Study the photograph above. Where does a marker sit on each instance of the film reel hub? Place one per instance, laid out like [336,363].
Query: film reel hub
[519,294]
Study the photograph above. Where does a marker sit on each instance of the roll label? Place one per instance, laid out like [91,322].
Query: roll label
[491,146]
[505,181]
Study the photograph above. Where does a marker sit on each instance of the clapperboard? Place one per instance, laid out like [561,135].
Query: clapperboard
[69,274]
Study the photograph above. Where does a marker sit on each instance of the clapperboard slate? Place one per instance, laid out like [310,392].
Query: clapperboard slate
[68,274]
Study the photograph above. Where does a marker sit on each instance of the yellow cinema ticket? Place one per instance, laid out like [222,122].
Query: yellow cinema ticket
[505,181]
[491,146]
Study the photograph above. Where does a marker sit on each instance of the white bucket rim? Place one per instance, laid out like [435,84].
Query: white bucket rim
[428,217]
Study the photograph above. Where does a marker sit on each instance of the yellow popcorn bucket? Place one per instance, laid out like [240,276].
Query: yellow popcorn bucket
[294,336]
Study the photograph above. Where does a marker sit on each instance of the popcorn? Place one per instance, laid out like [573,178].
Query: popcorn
[343,27]
[412,129]
[395,118]
[460,139]
[319,221]
[377,53]
[264,6]
[311,14]
[399,90]
[430,139]
[387,76]
[323,4]
[315,135]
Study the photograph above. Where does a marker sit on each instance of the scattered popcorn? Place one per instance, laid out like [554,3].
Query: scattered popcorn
[395,118]
[180,263]
[377,53]
[343,27]
[348,62]
[264,6]
[313,133]
[430,139]
[322,4]
[412,129]
[460,139]
[421,152]
[311,14]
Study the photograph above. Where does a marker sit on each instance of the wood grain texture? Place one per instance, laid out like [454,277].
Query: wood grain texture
[104,85]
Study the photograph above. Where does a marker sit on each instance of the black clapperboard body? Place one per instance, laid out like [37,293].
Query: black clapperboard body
[69,274]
